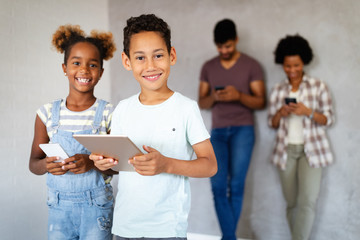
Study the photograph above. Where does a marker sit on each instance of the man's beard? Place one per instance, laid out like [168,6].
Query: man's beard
[227,56]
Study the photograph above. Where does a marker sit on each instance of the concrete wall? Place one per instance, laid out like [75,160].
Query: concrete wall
[333,30]
[31,75]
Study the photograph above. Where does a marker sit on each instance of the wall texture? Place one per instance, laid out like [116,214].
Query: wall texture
[31,76]
[333,30]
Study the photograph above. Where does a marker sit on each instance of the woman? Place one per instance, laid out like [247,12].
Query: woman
[300,109]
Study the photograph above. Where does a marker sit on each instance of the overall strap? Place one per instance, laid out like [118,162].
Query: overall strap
[55,113]
[98,115]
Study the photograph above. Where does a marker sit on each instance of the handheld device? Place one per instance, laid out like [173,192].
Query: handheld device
[118,147]
[219,88]
[54,150]
[289,100]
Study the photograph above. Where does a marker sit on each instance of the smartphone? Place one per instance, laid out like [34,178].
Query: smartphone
[54,150]
[219,88]
[289,100]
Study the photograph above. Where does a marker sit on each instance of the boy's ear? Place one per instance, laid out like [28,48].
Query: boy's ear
[126,61]
[172,56]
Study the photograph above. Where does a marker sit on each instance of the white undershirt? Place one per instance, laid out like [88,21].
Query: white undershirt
[296,135]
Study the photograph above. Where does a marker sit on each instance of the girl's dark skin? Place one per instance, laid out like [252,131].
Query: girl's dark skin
[83,71]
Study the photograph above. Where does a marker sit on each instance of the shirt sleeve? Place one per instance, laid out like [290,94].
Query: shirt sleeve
[195,130]
[273,104]
[44,112]
[110,109]
[256,72]
[326,105]
[203,74]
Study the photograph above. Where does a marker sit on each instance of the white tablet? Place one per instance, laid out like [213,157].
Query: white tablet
[115,146]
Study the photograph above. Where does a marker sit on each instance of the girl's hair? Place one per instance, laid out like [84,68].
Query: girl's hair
[293,45]
[146,23]
[66,36]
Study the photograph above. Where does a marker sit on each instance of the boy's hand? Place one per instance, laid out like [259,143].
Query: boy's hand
[149,164]
[102,163]
[53,167]
[79,163]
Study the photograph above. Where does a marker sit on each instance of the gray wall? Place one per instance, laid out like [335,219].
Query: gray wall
[32,76]
[333,30]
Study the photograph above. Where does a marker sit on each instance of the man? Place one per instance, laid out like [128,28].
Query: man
[231,84]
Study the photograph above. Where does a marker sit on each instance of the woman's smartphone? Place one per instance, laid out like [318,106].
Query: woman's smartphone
[289,100]
[219,88]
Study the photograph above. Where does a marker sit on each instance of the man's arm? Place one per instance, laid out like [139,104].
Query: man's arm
[255,100]
[206,97]
[258,98]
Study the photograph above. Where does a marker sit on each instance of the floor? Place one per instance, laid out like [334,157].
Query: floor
[196,236]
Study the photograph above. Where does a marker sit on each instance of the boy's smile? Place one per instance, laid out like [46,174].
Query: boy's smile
[150,61]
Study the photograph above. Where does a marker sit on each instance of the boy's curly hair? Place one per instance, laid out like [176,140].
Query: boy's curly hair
[66,36]
[293,45]
[146,23]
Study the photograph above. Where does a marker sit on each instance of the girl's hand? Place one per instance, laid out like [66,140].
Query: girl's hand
[299,109]
[53,167]
[79,163]
[149,164]
[102,163]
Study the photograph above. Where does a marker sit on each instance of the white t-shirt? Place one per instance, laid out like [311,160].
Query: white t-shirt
[296,132]
[156,206]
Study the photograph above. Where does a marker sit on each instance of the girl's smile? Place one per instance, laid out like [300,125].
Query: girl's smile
[83,67]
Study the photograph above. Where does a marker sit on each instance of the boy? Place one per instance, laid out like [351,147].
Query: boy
[154,201]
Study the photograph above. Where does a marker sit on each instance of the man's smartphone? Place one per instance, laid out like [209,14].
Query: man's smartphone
[289,100]
[219,88]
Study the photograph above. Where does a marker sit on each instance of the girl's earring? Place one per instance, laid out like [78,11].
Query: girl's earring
[65,74]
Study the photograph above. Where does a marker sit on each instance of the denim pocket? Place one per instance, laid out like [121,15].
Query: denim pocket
[52,199]
[105,200]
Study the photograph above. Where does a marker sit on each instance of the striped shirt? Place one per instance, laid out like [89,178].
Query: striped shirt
[314,94]
[75,121]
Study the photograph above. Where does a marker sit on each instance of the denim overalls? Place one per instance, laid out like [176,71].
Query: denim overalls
[80,205]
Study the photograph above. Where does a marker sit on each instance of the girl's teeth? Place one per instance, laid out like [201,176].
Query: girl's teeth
[83,80]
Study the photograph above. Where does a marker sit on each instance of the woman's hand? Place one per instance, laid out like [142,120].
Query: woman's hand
[299,109]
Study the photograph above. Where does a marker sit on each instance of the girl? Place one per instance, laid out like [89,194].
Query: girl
[80,196]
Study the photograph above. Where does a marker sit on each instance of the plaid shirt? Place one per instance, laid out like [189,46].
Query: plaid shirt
[314,94]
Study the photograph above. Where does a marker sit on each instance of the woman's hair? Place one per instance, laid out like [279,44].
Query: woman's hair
[66,36]
[293,45]
[146,23]
[224,30]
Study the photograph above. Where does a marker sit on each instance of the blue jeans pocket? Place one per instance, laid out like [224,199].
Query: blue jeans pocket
[104,201]
[52,199]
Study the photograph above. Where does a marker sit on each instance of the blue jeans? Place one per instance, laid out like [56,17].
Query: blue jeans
[80,215]
[233,148]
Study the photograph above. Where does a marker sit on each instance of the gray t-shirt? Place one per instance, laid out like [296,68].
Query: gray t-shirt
[244,71]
